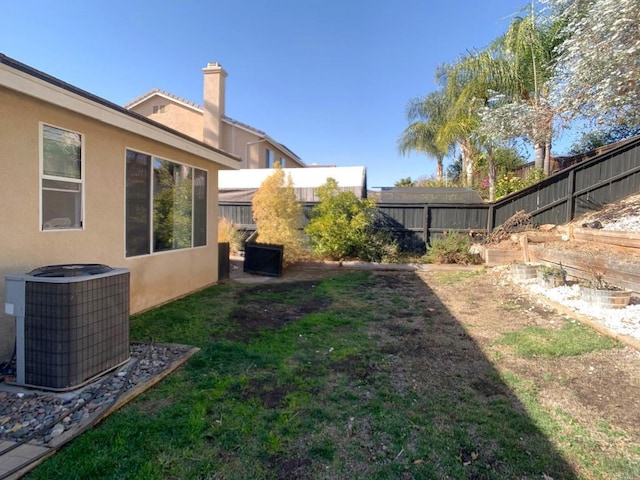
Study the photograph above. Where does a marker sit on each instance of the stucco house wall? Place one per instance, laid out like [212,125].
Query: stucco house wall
[173,114]
[26,103]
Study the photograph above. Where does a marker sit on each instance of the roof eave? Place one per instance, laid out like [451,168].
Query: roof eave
[162,94]
[21,78]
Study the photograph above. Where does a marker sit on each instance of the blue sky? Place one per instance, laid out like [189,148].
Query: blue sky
[328,78]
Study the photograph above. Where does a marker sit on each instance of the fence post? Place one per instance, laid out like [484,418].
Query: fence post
[425,233]
[571,188]
[490,214]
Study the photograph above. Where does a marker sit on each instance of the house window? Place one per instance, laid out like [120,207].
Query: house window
[282,164]
[199,208]
[158,109]
[268,158]
[61,179]
[166,205]
[138,204]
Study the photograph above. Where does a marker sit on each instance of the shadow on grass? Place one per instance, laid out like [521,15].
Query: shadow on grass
[364,375]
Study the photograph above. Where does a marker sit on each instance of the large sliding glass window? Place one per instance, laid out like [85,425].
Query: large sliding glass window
[61,179]
[166,205]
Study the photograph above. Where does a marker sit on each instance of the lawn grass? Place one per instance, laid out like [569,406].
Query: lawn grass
[315,392]
[572,339]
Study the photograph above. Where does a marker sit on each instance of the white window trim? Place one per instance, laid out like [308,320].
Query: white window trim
[42,176]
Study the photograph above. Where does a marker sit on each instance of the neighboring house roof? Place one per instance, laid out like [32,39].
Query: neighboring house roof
[20,77]
[161,93]
[156,92]
[429,195]
[301,177]
[241,185]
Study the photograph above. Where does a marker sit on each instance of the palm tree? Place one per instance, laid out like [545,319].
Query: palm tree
[462,100]
[427,116]
[515,71]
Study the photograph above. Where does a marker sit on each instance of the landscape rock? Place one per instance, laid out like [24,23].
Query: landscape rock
[28,414]
[57,430]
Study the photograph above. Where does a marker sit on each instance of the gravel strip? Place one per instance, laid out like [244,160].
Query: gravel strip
[25,413]
[624,321]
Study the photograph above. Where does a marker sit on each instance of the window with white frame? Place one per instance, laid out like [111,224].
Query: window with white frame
[61,179]
[166,205]
[282,164]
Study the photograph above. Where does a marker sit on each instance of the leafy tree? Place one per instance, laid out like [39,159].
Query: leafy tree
[512,74]
[430,181]
[496,162]
[404,182]
[600,137]
[278,215]
[343,226]
[597,73]
[454,171]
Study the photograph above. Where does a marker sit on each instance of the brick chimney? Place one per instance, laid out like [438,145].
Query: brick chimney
[214,86]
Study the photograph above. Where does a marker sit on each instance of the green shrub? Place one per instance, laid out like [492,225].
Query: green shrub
[509,182]
[451,248]
[343,226]
[536,175]
[506,184]
[278,215]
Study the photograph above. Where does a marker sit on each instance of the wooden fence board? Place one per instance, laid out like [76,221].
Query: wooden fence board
[557,199]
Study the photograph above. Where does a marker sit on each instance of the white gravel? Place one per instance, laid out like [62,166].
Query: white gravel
[624,321]
[624,224]
[624,217]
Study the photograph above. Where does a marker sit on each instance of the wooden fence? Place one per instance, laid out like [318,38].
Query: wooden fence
[557,199]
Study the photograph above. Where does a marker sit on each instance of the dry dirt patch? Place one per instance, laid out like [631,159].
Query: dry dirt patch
[592,387]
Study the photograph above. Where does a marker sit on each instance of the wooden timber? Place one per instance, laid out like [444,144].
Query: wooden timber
[582,265]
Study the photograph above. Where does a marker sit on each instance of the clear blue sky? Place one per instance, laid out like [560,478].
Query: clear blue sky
[328,78]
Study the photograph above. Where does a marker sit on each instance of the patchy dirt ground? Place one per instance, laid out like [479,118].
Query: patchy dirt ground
[442,335]
[598,386]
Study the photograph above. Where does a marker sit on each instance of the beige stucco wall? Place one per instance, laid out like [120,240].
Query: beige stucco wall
[155,279]
[242,142]
[233,139]
[175,115]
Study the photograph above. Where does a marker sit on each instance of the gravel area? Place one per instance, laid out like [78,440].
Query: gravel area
[41,416]
[622,216]
[624,321]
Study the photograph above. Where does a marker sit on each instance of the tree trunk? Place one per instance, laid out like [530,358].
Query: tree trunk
[492,176]
[547,159]
[467,162]
[439,169]
[539,150]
